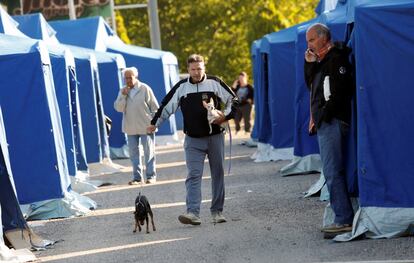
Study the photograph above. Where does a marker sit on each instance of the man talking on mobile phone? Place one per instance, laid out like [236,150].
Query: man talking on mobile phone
[328,74]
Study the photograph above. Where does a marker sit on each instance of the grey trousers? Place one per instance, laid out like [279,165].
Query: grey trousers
[196,150]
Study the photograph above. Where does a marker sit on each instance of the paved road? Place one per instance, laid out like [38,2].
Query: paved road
[269,221]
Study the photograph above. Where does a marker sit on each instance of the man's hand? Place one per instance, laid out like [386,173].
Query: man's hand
[219,120]
[151,129]
[310,56]
[235,84]
[125,90]
[312,127]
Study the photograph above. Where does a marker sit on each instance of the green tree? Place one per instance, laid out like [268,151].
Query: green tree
[221,31]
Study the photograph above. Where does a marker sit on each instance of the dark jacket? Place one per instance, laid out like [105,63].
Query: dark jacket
[249,95]
[336,73]
[189,97]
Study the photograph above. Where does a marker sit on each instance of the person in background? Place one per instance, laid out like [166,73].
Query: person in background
[328,74]
[244,92]
[200,141]
[138,104]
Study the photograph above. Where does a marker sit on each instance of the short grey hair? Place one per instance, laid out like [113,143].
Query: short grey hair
[134,71]
[321,30]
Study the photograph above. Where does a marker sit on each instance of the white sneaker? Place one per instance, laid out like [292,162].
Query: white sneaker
[189,219]
[151,180]
[218,218]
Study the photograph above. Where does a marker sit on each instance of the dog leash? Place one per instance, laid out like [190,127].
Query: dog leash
[230,141]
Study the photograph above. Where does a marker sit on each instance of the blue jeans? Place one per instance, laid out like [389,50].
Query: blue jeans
[331,137]
[196,150]
[148,145]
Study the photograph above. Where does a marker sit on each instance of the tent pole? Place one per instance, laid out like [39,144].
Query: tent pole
[72,13]
[113,16]
[154,24]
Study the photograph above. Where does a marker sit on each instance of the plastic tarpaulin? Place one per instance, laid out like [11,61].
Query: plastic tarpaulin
[8,25]
[63,65]
[384,54]
[36,27]
[64,72]
[279,47]
[11,216]
[39,174]
[86,68]
[326,5]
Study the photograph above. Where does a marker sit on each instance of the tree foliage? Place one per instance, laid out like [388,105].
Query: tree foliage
[221,31]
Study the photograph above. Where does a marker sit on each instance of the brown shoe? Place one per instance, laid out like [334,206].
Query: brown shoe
[337,228]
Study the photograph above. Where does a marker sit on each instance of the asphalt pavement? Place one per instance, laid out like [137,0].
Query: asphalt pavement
[268,220]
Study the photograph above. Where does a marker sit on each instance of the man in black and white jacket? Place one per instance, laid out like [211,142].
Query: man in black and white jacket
[189,94]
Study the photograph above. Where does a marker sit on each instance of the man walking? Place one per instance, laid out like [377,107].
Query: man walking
[138,104]
[200,141]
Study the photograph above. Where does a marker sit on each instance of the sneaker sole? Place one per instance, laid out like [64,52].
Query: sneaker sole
[186,221]
[337,231]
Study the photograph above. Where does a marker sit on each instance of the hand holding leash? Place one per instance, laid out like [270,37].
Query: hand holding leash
[151,129]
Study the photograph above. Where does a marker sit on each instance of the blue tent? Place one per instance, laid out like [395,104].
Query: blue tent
[90,99]
[36,27]
[279,79]
[64,76]
[11,215]
[279,47]
[71,203]
[63,65]
[306,150]
[255,55]
[109,65]
[39,174]
[8,25]
[384,53]
[96,34]
[11,218]
[262,118]
[326,5]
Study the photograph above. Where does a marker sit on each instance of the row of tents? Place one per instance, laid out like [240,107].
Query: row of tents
[379,165]
[58,82]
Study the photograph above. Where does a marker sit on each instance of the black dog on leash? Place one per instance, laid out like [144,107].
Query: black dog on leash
[142,210]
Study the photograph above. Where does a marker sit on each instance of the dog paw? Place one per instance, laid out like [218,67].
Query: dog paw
[148,232]
[134,231]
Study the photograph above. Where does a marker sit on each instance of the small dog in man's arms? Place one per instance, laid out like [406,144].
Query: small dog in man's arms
[142,210]
[212,113]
